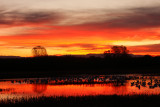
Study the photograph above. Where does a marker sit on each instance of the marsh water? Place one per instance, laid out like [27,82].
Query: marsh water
[81,85]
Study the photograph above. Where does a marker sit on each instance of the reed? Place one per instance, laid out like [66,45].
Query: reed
[86,101]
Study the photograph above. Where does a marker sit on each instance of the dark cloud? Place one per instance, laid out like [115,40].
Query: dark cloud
[82,45]
[14,18]
[140,18]
[18,47]
[145,48]
[35,17]
[85,46]
[135,18]
[78,45]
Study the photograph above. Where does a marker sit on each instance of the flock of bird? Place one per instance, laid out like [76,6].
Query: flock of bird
[151,83]
[138,81]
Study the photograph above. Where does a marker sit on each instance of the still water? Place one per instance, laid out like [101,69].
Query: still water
[83,85]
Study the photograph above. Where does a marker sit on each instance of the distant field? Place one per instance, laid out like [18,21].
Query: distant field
[52,66]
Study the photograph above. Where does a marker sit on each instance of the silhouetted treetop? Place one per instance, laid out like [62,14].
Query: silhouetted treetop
[119,50]
[39,51]
[107,52]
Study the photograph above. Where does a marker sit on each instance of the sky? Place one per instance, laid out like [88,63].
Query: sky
[79,26]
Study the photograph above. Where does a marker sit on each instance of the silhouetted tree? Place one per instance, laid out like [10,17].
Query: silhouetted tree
[119,50]
[107,52]
[39,51]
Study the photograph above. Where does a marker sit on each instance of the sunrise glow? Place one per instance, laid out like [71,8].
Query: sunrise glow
[79,26]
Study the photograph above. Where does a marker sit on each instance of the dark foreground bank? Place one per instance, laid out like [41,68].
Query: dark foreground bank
[68,65]
[87,101]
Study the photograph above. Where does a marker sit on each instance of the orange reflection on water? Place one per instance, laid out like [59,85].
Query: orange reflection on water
[10,90]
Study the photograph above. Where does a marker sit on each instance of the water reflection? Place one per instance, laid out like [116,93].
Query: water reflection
[39,88]
[79,86]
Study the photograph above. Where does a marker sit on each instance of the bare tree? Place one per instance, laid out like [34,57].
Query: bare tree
[39,51]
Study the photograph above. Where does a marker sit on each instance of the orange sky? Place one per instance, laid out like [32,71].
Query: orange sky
[79,27]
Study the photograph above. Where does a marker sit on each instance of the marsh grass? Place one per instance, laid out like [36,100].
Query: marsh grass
[86,101]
